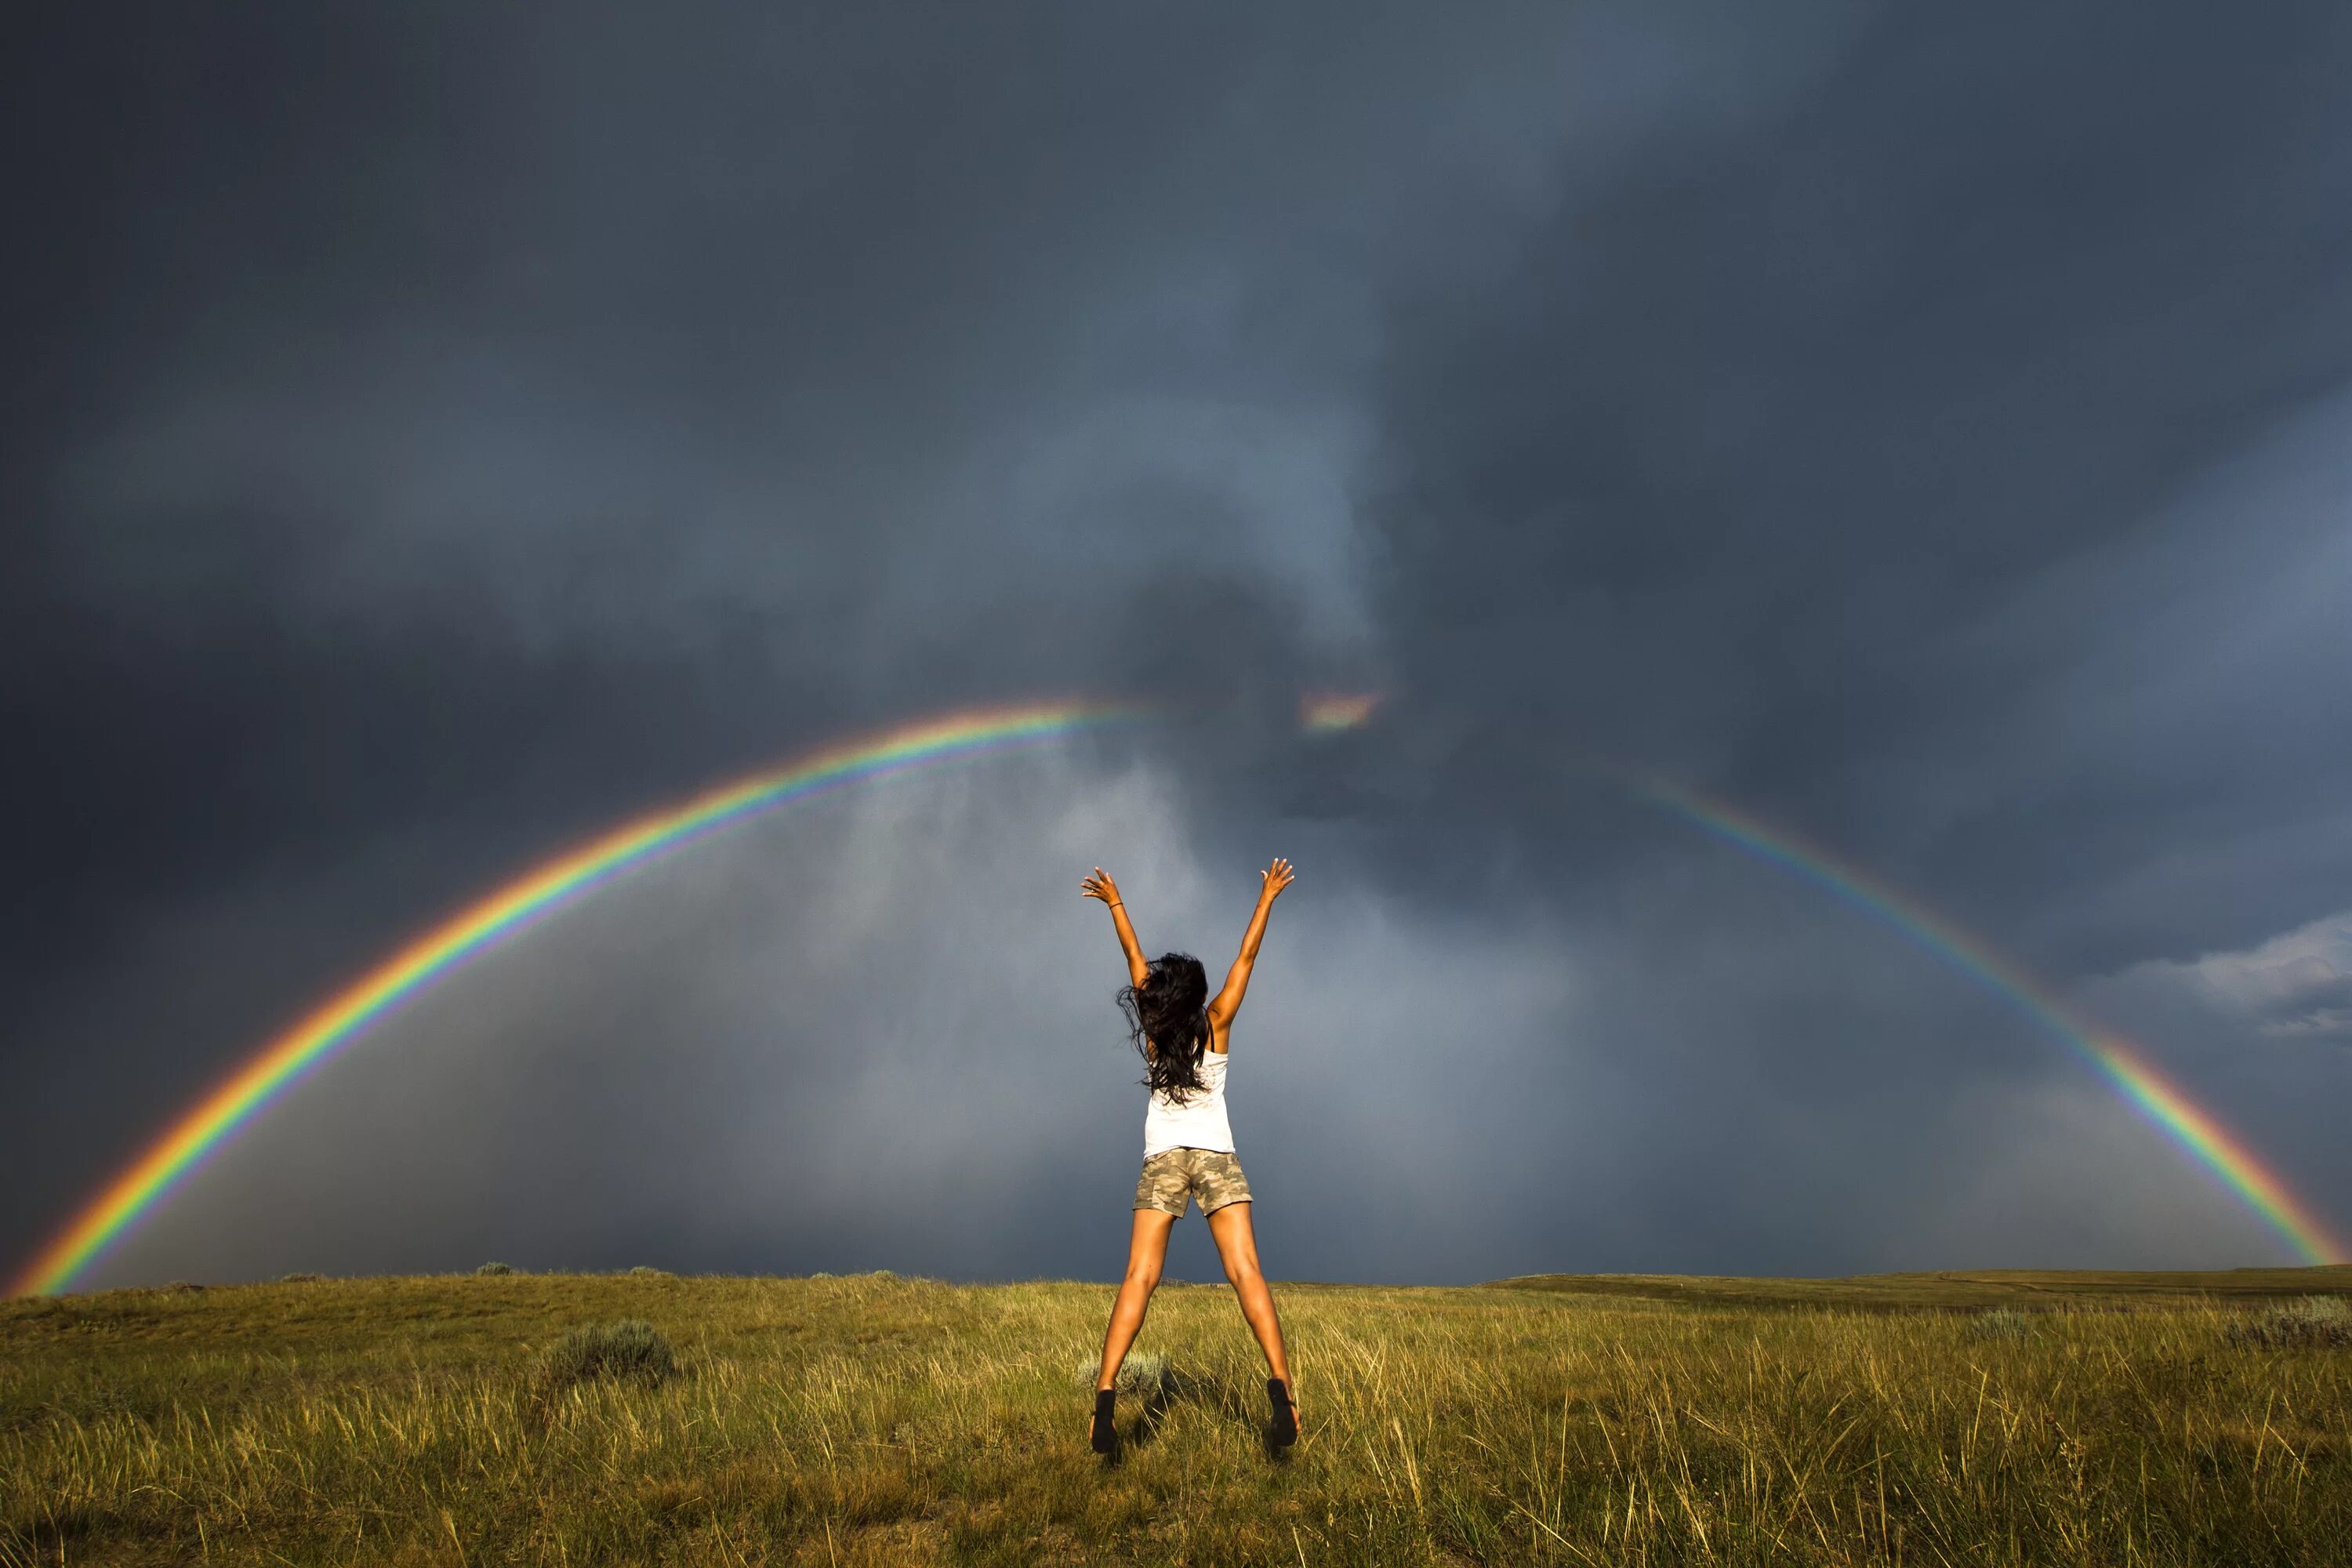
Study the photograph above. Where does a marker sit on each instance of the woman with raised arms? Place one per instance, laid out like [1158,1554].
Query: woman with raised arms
[1188,1145]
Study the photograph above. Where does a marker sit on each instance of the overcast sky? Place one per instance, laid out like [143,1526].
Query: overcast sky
[433,433]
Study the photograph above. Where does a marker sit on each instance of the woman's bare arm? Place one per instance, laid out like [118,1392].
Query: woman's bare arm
[1100,886]
[1228,1001]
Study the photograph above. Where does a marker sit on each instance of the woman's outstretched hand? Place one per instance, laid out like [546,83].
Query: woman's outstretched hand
[1276,876]
[1100,886]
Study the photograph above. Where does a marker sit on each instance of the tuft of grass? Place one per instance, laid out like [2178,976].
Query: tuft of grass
[495,1268]
[630,1349]
[2001,1323]
[2311,1322]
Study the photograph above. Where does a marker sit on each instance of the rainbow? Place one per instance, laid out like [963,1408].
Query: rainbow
[2193,1129]
[1323,711]
[569,877]
[480,926]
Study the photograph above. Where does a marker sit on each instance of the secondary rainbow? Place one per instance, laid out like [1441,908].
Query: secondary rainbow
[2186,1124]
[482,925]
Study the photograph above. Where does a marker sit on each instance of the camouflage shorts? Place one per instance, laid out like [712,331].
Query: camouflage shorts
[1172,1176]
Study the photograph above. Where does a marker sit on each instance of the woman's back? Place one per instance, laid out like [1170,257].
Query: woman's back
[1200,1121]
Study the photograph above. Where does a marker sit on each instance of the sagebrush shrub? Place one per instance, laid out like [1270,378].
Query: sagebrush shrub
[2312,1321]
[2003,1323]
[631,1349]
[1142,1373]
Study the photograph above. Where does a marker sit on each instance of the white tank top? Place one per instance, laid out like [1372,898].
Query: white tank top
[1197,1123]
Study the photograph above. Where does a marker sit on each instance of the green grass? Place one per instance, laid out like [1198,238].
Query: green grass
[2091,1419]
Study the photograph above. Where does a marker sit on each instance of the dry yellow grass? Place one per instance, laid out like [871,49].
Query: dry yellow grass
[872,1420]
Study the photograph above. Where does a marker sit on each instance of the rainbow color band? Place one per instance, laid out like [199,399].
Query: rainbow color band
[1325,712]
[482,925]
[2195,1130]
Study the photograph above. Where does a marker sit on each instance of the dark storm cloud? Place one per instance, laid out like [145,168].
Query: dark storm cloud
[1905,457]
[438,434]
[427,383]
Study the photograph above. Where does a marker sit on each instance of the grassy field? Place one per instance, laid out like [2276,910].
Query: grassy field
[866,1420]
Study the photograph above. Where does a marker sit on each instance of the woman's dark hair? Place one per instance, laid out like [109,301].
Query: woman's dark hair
[1168,1019]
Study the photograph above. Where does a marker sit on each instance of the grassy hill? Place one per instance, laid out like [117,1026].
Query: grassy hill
[2026,1289]
[1559,1419]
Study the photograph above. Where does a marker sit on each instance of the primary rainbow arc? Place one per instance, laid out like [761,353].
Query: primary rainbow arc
[2161,1102]
[482,925]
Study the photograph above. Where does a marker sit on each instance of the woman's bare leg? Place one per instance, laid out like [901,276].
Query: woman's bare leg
[1146,1250]
[1237,1244]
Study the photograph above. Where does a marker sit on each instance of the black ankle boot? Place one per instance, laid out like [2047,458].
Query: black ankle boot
[1105,1437]
[1285,1418]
